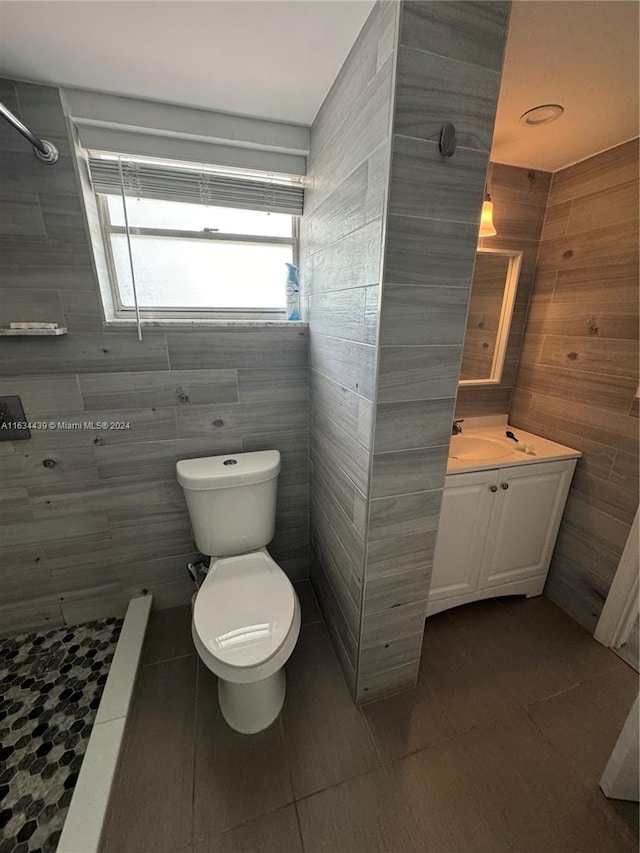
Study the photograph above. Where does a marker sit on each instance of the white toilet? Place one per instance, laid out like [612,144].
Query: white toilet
[246,616]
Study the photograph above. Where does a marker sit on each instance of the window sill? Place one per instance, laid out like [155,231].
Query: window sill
[203,324]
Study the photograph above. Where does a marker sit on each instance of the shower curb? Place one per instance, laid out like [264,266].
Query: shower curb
[85,819]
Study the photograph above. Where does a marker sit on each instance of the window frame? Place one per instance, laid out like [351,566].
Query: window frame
[123,312]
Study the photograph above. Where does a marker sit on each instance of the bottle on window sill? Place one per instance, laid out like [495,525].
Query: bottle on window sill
[293,292]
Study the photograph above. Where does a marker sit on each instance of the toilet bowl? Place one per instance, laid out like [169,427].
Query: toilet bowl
[246,621]
[246,614]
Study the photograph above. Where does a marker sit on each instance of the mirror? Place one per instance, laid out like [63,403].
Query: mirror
[495,280]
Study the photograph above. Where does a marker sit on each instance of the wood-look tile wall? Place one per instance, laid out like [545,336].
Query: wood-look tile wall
[77,540]
[578,370]
[341,246]
[520,198]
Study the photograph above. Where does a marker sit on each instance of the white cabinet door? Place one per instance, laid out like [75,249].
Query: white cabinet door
[527,510]
[464,522]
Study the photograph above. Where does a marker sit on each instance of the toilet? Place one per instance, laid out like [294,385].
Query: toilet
[246,614]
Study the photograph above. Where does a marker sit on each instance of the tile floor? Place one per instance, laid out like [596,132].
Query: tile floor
[51,688]
[499,748]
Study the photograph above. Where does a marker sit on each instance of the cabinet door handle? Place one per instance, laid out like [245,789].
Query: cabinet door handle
[504,485]
[493,488]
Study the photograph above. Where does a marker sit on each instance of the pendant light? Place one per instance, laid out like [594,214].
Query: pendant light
[487,228]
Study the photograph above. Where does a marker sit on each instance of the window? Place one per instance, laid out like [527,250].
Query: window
[202,242]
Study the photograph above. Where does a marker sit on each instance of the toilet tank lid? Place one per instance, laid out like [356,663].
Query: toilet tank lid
[233,469]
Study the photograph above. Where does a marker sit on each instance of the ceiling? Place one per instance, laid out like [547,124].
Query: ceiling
[277,59]
[272,59]
[580,54]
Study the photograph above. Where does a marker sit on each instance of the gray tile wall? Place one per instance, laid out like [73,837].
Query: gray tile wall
[341,244]
[520,198]
[79,539]
[386,343]
[578,371]
[448,70]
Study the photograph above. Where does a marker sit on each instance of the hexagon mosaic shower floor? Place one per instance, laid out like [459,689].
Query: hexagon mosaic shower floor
[51,688]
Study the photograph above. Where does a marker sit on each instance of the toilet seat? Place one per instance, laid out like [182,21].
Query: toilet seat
[243,616]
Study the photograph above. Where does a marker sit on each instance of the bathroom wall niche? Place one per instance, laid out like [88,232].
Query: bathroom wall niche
[495,281]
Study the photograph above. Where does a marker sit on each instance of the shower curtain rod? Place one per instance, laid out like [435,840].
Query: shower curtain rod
[45,151]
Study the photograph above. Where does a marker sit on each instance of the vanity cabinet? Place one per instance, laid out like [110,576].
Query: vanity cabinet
[497,531]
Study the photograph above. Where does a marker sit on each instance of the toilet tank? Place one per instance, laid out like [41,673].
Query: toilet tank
[231,500]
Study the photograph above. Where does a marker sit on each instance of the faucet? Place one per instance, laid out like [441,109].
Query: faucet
[456,429]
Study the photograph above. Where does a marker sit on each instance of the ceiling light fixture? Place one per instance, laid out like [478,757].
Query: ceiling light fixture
[544,114]
[487,228]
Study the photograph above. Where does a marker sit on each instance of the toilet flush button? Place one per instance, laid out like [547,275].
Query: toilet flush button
[230,462]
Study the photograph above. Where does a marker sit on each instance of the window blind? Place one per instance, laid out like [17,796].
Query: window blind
[143,179]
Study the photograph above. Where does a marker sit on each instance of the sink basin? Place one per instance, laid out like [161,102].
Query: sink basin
[478,449]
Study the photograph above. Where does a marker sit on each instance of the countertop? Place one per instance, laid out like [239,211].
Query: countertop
[494,427]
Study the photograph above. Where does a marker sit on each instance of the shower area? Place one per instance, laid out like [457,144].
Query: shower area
[66,687]
[52,683]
